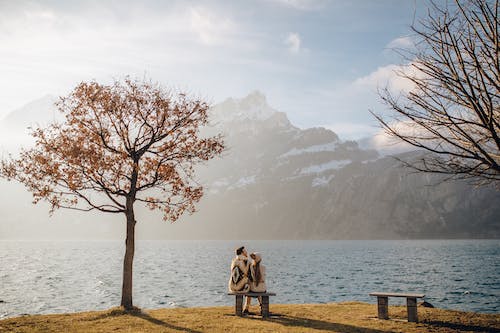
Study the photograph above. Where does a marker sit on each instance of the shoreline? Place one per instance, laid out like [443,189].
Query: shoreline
[332,317]
[84,240]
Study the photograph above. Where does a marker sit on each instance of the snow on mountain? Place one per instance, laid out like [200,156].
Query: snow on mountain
[320,168]
[321,181]
[330,146]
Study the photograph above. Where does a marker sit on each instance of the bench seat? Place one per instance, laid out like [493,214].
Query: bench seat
[397,295]
[383,304]
[239,301]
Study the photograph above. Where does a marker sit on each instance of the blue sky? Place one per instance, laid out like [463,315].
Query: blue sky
[319,61]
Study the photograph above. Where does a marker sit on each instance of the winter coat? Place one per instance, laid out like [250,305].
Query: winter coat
[238,281]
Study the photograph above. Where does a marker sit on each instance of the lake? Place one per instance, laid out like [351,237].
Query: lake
[54,277]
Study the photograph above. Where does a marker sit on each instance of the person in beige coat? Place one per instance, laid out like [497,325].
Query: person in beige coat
[239,280]
[257,279]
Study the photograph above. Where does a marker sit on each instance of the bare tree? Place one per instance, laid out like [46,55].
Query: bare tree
[453,110]
[120,144]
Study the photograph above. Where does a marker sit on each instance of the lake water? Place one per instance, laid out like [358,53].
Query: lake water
[52,277]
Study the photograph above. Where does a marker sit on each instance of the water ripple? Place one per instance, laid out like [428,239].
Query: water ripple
[45,277]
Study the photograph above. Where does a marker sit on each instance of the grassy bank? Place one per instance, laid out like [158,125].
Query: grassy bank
[342,317]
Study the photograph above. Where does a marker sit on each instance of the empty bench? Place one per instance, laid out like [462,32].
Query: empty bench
[239,302]
[411,304]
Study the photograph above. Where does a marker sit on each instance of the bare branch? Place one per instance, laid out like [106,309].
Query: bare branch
[453,109]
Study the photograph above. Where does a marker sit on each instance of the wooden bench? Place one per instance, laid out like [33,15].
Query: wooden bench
[411,304]
[239,302]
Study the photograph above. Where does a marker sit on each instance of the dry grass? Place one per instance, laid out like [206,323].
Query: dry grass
[343,317]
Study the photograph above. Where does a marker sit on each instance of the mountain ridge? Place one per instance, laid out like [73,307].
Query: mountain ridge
[277,181]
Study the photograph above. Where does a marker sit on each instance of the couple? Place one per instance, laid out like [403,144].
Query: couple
[247,276]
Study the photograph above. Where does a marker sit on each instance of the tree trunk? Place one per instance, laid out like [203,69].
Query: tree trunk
[129,258]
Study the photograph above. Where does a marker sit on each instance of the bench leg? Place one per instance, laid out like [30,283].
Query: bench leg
[265,307]
[239,305]
[383,307]
[411,305]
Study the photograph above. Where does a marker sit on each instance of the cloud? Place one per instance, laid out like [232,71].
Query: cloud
[404,42]
[209,48]
[302,4]
[49,48]
[210,28]
[293,42]
[388,76]
[349,103]
[389,145]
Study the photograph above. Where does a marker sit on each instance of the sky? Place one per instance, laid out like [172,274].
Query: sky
[320,61]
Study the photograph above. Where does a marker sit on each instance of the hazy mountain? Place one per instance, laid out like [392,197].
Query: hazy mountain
[38,112]
[14,128]
[279,181]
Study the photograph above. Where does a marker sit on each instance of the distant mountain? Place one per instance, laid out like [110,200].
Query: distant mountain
[14,128]
[276,181]
[38,112]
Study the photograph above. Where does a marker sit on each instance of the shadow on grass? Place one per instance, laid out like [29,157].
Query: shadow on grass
[136,312]
[461,327]
[159,322]
[318,324]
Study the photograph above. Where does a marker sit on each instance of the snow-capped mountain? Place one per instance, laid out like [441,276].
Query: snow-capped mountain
[264,146]
[279,181]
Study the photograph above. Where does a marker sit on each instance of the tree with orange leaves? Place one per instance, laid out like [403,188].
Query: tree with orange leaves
[120,144]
